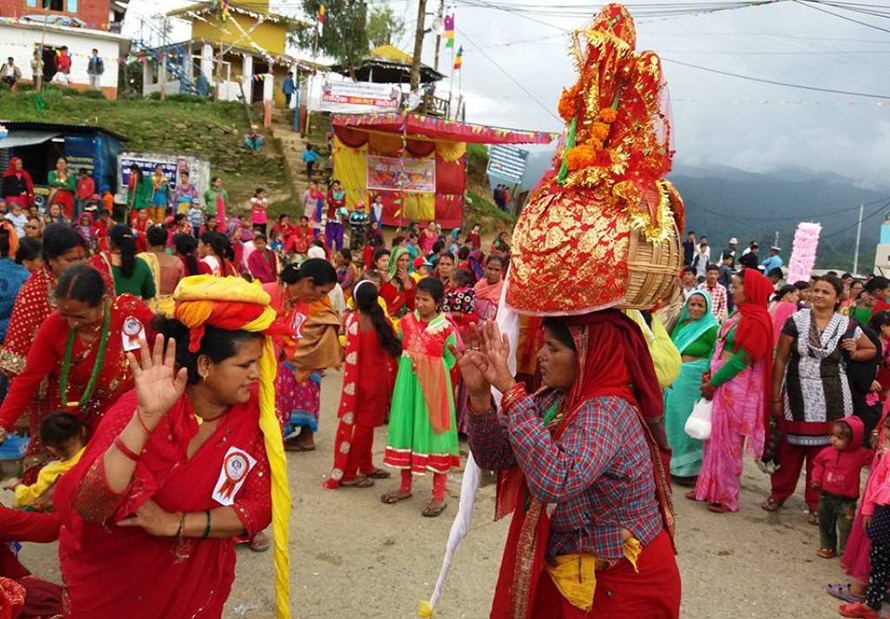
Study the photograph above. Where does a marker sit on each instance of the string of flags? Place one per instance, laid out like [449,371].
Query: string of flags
[449,30]
[459,59]
[321,16]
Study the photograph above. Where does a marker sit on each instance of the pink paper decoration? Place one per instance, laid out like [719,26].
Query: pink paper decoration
[803,253]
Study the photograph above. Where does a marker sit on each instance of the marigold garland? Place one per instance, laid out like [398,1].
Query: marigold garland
[608,115]
[600,131]
[581,157]
[568,103]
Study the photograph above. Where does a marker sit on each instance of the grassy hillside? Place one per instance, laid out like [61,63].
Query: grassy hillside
[203,128]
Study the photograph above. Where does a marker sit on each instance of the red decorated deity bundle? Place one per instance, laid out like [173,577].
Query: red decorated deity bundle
[602,228]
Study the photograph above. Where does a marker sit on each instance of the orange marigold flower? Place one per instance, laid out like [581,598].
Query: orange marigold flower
[580,157]
[608,115]
[600,130]
[568,103]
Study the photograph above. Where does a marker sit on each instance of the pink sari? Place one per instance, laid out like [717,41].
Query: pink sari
[737,414]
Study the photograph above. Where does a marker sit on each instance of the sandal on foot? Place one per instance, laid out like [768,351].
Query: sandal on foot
[357,482]
[844,592]
[690,495]
[827,553]
[718,508]
[379,474]
[432,512]
[858,609]
[391,498]
[770,505]
[260,542]
[813,518]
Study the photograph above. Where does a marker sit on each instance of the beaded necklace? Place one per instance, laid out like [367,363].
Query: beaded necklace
[66,363]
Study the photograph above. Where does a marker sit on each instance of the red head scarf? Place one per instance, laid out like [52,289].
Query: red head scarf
[614,360]
[755,331]
[12,171]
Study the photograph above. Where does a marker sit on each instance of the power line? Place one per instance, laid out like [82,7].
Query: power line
[776,82]
[809,5]
[880,209]
[698,206]
[510,77]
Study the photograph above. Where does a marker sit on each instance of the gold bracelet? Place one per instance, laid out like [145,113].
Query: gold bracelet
[514,393]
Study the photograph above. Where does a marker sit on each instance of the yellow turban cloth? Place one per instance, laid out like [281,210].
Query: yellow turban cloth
[234,304]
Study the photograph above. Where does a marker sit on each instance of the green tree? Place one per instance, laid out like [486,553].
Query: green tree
[384,26]
[344,36]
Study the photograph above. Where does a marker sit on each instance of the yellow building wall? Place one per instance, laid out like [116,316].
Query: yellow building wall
[268,35]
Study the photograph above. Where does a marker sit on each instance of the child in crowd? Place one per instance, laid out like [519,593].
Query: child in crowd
[423,427]
[460,301]
[421,268]
[195,216]
[275,243]
[283,227]
[372,353]
[103,225]
[186,194]
[30,255]
[87,230]
[84,189]
[836,471]
[64,437]
[875,512]
[18,218]
[474,237]
[258,207]
[107,199]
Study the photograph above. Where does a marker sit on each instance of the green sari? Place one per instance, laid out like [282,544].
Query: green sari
[693,338]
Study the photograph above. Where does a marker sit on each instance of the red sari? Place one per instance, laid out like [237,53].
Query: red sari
[368,378]
[44,366]
[114,572]
[398,302]
[35,302]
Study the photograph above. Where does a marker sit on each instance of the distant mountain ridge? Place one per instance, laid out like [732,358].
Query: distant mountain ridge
[725,202]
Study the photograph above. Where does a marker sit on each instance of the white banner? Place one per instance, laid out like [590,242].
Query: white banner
[359,97]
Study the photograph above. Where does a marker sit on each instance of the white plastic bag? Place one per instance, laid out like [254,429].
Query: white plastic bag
[699,423]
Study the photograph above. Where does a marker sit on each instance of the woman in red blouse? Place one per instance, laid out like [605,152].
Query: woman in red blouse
[180,466]
[579,467]
[79,351]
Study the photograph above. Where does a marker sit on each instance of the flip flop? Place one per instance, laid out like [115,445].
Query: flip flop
[718,508]
[842,592]
[379,474]
[391,498]
[858,609]
[260,543]
[813,518]
[690,495]
[827,553]
[770,505]
[357,482]
[432,513]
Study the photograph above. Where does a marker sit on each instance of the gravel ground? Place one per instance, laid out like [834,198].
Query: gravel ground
[352,556]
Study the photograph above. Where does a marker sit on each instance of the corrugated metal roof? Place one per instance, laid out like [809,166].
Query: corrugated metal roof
[61,127]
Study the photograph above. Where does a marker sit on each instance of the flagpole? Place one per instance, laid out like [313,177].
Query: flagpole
[451,82]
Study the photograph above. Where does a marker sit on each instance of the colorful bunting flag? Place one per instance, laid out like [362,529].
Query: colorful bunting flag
[321,13]
[449,31]
[459,59]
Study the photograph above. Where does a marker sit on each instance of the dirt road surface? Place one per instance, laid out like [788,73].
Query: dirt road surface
[352,556]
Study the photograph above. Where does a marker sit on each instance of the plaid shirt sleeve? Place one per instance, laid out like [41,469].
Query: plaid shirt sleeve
[488,442]
[558,472]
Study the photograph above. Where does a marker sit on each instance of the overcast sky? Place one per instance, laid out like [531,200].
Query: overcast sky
[718,120]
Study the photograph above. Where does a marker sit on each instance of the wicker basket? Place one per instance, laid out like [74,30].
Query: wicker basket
[653,269]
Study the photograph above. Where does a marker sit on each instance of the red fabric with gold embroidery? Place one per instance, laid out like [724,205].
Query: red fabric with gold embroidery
[607,184]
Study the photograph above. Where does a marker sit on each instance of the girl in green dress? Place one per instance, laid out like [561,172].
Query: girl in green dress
[422,425]
[694,336]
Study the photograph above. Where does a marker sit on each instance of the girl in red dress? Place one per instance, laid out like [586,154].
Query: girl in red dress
[372,353]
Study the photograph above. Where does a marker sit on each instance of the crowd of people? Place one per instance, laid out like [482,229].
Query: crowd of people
[190,314]
[195,315]
[797,377]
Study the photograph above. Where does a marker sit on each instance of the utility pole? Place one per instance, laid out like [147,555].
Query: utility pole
[858,237]
[441,15]
[418,45]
